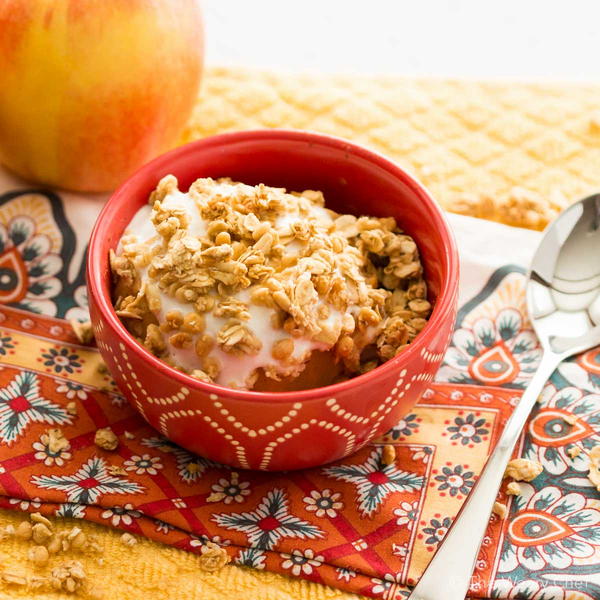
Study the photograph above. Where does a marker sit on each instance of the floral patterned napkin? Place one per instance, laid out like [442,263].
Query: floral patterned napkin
[357,524]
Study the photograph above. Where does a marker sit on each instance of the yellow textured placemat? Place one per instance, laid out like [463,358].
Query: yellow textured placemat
[514,153]
[509,152]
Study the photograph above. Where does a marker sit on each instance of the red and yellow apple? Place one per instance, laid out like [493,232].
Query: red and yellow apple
[91,89]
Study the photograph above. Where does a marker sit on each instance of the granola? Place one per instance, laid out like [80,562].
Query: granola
[594,474]
[24,530]
[38,555]
[83,331]
[106,439]
[213,557]
[500,510]
[513,489]
[128,539]
[41,533]
[523,469]
[239,284]
[55,440]
[388,455]
[12,577]
[68,577]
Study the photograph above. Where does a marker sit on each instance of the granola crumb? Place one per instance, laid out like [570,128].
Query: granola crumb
[102,368]
[93,545]
[128,539]
[36,582]
[570,419]
[72,408]
[68,577]
[41,534]
[500,510]
[201,375]
[77,539]
[56,441]
[282,349]
[13,577]
[213,557]
[523,469]
[55,545]
[388,456]
[83,331]
[594,474]
[65,543]
[513,489]
[116,471]
[574,451]
[106,439]
[216,497]
[38,555]
[128,435]
[36,517]
[23,530]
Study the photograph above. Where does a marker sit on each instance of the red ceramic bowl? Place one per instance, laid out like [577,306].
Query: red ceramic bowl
[291,430]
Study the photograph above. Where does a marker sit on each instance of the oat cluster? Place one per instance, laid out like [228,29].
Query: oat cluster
[213,557]
[46,543]
[523,469]
[500,510]
[351,285]
[106,439]
[594,474]
[513,489]
[83,331]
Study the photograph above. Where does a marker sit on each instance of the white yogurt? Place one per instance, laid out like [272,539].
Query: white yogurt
[235,370]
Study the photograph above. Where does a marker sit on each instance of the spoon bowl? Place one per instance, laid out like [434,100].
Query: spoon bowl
[563,301]
[563,292]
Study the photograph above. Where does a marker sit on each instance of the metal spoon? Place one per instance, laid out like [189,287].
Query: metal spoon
[563,301]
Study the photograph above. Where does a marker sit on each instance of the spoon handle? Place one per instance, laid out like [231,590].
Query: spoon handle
[449,572]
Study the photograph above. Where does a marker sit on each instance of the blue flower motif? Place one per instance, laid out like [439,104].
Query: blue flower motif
[162,526]
[468,430]
[270,522]
[374,480]
[88,484]
[189,466]
[437,530]
[6,344]
[251,557]
[22,403]
[61,359]
[405,427]
[70,510]
[455,480]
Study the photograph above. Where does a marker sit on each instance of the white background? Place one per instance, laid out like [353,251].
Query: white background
[518,39]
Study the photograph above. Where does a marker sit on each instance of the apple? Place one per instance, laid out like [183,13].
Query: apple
[92,89]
